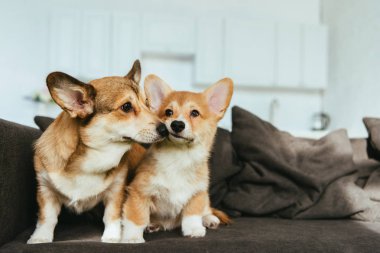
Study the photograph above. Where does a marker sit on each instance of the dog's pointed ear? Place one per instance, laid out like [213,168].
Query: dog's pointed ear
[218,96]
[135,73]
[72,95]
[156,90]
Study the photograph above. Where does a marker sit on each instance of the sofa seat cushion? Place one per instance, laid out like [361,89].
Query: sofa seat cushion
[244,235]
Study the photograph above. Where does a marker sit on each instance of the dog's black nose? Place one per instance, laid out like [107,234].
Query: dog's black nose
[177,126]
[162,130]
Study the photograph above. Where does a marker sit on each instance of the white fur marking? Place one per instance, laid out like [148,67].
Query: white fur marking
[192,226]
[101,160]
[44,232]
[132,233]
[175,182]
[80,187]
[112,232]
[210,221]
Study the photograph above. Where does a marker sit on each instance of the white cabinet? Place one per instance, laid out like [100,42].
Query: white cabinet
[95,44]
[64,41]
[209,60]
[168,35]
[314,56]
[125,42]
[250,52]
[263,54]
[302,56]
[288,45]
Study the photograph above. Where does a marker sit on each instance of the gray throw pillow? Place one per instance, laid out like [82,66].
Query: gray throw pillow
[43,122]
[373,128]
[281,174]
[223,164]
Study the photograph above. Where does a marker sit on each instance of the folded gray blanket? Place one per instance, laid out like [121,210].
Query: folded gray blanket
[277,174]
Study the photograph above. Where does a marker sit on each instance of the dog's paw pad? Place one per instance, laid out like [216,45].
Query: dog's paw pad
[194,232]
[152,228]
[211,221]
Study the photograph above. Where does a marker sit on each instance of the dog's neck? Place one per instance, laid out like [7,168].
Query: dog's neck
[196,153]
[79,155]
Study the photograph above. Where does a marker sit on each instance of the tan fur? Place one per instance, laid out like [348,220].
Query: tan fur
[196,204]
[82,158]
[223,217]
[137,209]
[171,183]
[134,157]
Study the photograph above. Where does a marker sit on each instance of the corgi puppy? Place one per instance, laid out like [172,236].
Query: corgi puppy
[170,188]
[80,159]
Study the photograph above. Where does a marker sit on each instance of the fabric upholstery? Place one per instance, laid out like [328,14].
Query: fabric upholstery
[294,177]
[373,128]
[43,122]
[244,235]
[17,180]
[223,164]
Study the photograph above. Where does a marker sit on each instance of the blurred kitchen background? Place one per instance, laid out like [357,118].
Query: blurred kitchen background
[303,65]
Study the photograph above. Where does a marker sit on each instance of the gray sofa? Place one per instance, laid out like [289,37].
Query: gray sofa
[247,233]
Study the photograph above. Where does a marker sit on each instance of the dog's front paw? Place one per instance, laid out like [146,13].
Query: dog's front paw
[110,239]
[35,240]
[192,226]
[132,233]
[112,232]
[194,231]
[210,221]
[41,235]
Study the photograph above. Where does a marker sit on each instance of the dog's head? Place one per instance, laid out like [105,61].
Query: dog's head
[110,109]
[190,117]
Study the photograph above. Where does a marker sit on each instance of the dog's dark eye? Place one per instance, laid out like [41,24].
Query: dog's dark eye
[127,107]
[168,112]
[194,113]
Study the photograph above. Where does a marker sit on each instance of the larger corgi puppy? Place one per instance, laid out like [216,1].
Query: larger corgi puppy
[170,188]
[78,159]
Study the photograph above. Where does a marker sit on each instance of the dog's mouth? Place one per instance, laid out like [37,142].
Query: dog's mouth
[126,138]
[142,141]
[181,137]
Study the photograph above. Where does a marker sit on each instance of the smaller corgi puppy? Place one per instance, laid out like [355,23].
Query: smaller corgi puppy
[82,159]
[170,188]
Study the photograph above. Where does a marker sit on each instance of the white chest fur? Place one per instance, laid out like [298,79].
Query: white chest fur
[103,159]
[80,187]
[176,179]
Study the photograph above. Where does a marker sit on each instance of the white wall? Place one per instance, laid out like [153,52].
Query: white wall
[304,11]
[24,50]
[23,61]
[354,78]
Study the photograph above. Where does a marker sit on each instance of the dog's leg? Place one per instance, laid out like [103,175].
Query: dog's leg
[135,217]
[214,217]
[196,208]
[49,209]
[210,221]
[112,214]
